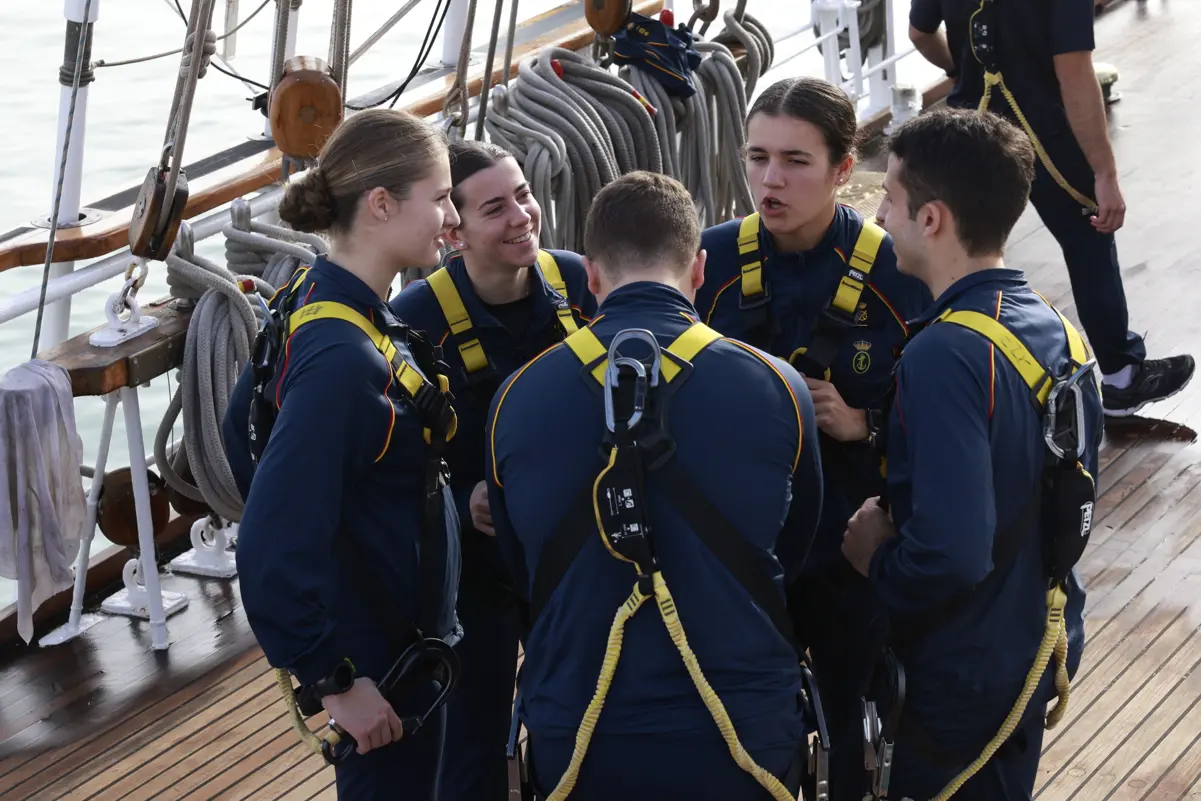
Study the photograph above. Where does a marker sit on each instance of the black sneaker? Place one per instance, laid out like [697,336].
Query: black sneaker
[1154,380]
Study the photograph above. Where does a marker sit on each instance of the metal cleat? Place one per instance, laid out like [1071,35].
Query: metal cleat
[210,555]
[124,315]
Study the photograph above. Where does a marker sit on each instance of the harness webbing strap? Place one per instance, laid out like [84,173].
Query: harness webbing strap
[550,271]
[594,355]
[749,263]
[1033,373]
[859,267]
[470,350]
[407,375]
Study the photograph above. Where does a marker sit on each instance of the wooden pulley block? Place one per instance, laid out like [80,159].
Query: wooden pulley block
[305,107]
[607,17]
[116,513]
[155,220]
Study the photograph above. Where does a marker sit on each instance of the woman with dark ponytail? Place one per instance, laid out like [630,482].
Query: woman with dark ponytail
[337,543]
[497,303]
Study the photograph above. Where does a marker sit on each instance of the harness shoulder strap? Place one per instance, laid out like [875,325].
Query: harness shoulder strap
[859,267]
[550,271]
[408,377]
[684,348]
[470,350]
[1037,378]
[750,264]
[838,316]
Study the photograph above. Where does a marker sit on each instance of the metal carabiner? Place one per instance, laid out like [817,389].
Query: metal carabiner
[644,380]
[1072,385]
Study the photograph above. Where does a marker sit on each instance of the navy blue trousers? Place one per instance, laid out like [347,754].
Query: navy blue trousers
[479,711]
[838,618]
[648,767]
[1091,257]
[1008,776]
[406,770]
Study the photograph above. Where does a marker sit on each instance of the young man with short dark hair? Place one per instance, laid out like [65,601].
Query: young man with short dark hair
[723,425]
[960,562]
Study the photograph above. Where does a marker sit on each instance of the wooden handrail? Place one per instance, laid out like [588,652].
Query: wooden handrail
[111,232]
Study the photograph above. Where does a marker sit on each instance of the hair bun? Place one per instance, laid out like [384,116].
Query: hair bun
[308,204]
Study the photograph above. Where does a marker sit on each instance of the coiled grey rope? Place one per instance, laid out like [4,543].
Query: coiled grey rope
[755,39]
[223,325]
[572,135]
[719,72]
[542,152]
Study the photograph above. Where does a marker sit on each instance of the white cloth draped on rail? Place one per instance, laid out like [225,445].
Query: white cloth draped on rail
[43,510]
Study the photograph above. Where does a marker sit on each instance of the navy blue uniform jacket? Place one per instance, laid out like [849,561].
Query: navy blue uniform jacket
[801,285]
[743,425]
[964,452]
[345,463]
[1031,34]
[417,306]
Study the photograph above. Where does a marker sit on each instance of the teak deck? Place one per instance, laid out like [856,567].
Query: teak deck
[104,717]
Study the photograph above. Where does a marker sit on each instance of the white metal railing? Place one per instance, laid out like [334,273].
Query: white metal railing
[142,596]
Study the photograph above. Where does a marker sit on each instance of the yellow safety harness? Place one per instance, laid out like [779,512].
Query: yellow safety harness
[619,513]
[471,350]
[1062,504]
[439,425]
[982,33]
[837,317]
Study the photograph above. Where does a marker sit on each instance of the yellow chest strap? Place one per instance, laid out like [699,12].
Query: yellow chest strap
[408,377]
[594,355]
[471,350]
[850,286]
[550,271]
[1033,373]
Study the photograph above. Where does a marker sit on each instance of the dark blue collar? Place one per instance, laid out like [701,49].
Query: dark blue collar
[352,288]
[545,300]
[642,297]
[842,216]
[1001,278]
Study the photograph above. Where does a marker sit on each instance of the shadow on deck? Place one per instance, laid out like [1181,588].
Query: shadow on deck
[104,717]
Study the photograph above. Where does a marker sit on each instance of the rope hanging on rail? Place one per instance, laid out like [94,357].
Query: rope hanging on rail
[224,321]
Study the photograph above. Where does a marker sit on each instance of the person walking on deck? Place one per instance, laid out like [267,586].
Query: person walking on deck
[726,480]
[497,303]
[811,281]
[1043,52]
[348,547]
[984,516]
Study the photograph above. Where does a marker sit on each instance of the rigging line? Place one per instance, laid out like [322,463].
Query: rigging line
[62,173]
[177,51]
[423,52]
[230,72]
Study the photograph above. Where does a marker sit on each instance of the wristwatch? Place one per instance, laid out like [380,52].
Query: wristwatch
[340,680]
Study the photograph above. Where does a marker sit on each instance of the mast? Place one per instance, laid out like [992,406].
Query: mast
[56,323]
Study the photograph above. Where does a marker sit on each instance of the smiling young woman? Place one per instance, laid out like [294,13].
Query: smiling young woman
[497,303]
